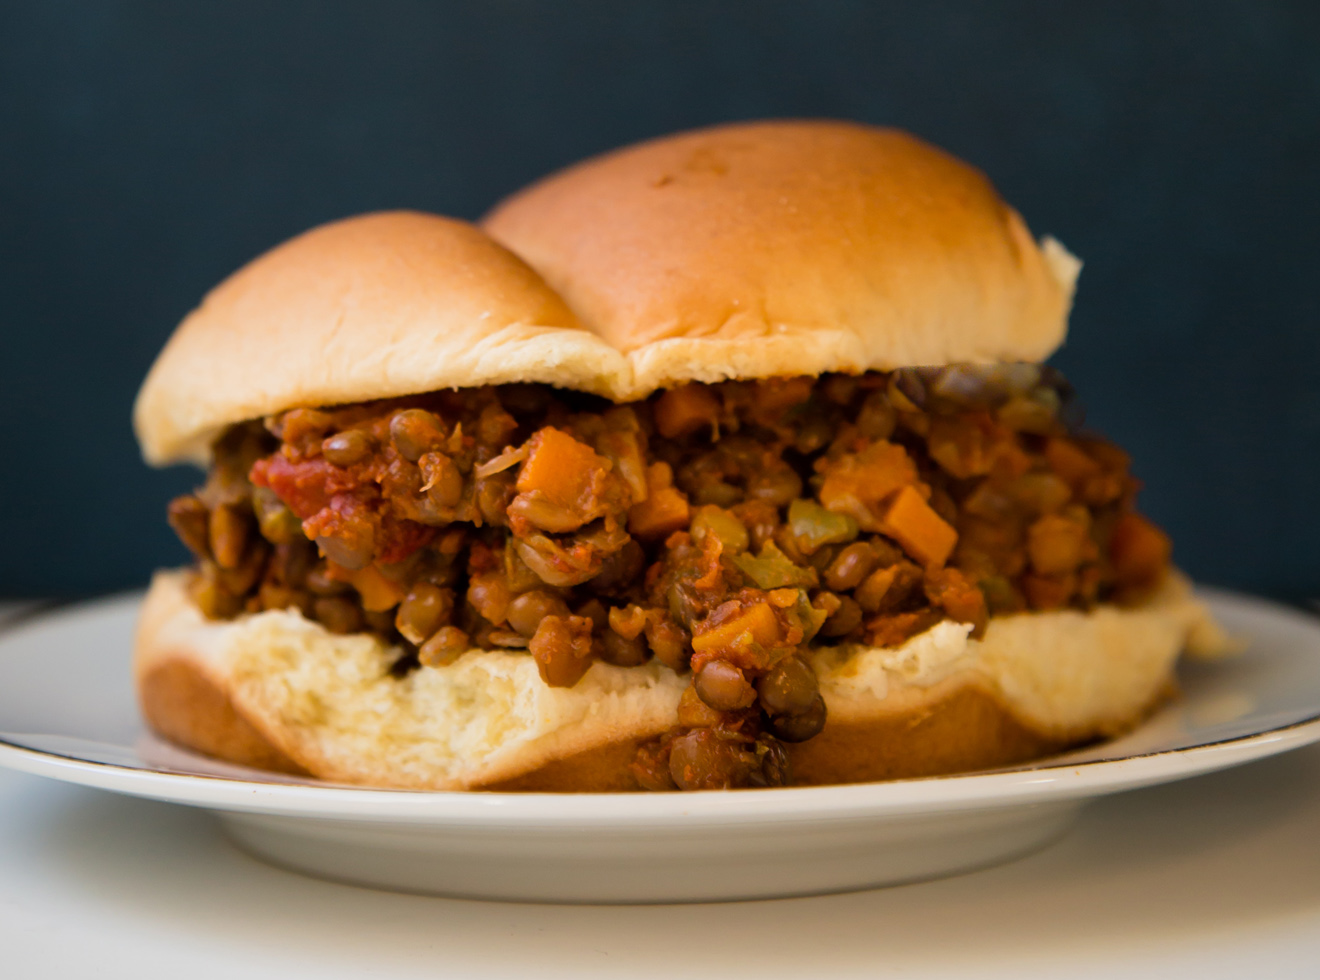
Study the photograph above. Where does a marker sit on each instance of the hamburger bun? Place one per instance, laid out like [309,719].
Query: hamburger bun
[369,307]
[746,251]
[275,691]
[776,248]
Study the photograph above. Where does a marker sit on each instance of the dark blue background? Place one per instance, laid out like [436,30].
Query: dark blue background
[146,150]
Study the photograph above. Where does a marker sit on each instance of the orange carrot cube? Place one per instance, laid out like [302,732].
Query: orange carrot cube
[857,484]
[759,621]
[665,509]
[560,467]
[924,535]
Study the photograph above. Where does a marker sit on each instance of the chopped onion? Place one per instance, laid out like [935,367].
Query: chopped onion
[510,457]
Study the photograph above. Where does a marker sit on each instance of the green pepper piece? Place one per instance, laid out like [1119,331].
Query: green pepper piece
[721,523]
[808,617]
[813,526]
[772,569]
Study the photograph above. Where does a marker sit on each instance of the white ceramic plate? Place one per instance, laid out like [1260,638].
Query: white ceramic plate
[67,711]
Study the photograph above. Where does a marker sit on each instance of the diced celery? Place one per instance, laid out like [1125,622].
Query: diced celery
[723,524]
[813,526]
[772,569]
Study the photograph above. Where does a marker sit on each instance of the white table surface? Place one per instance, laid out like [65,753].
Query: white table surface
[1214,877]
[9,608]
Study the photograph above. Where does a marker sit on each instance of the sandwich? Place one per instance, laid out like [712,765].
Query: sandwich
[724,460]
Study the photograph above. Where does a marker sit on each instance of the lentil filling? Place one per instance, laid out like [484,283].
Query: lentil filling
[721,529]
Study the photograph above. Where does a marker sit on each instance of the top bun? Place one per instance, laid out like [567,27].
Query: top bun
[743,251]
[790,247]
[370,307]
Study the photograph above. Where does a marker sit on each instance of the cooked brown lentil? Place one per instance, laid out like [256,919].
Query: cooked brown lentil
[721,529]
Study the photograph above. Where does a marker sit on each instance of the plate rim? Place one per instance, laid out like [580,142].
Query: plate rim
[1050,780]
[943,794]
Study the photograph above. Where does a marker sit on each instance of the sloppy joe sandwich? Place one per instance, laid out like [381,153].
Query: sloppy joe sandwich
[724,460]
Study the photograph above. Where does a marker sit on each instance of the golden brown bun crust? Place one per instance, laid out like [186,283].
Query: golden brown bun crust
[744,251]
[960,730]
[185,706]
[184,701]
[276,692]
[274,686]
[370,307]
[599,770]
[790,247]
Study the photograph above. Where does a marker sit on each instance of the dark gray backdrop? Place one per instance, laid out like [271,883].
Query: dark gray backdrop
[146,150]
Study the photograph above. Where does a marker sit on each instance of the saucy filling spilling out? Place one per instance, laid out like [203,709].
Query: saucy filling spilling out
[720,529]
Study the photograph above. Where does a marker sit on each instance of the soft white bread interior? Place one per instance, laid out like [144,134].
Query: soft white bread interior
[279,692]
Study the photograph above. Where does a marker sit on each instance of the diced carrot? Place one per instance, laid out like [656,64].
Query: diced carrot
[758,620]
[377,591]
[560,467]
[1070,462]
[923,533]
[1139,550]
[685,410]
[858,484]
[665,508]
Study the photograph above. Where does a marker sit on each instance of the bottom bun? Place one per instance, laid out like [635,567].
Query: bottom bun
[275,691]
